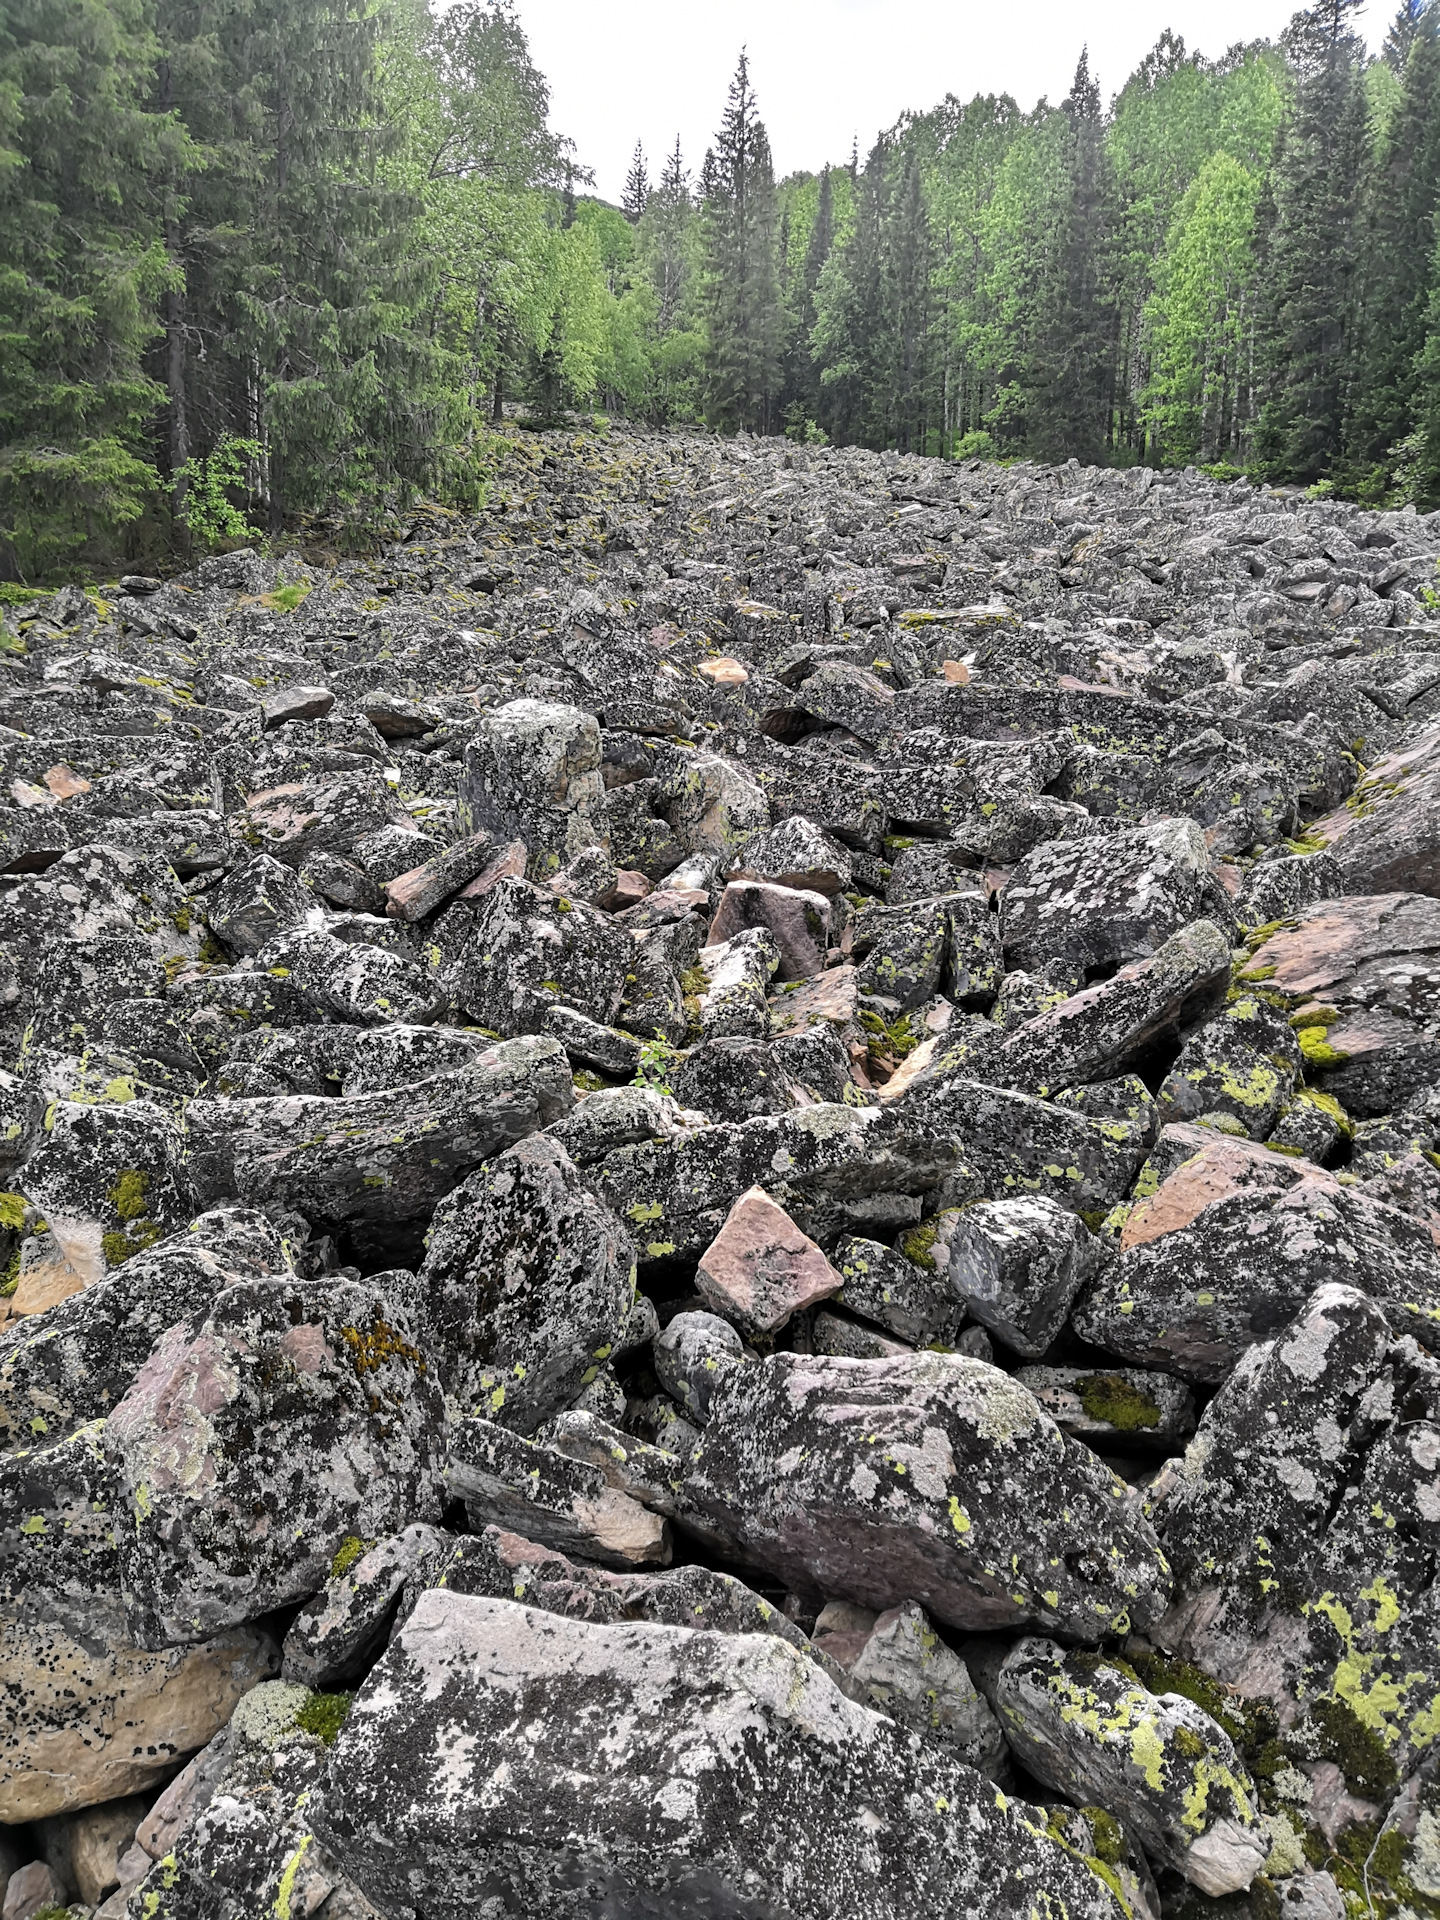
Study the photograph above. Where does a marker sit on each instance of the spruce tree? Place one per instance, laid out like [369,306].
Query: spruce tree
[740,268]
[84,167]
[1307,291]
[802,380]
[1072,355]
[1400,195]
[668,215]
[637,188]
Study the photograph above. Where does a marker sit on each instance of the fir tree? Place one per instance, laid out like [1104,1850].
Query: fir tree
[1401,188]
[741,281]
[668,215]
[1073,343]
[1308,282]
[634,199]
[84,168]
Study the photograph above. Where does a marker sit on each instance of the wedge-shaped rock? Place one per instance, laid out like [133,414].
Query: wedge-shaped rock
[337,1633]
[633,1769]
[339,980]
[1095,1033]
[259,1438]
[1093,1733]
[910,1298]
[528,1282]
[1013,1265]
[327,813]
[1192,1300]
[1095,902]
[1364,953]
[109,1181]
[933,1478]
[904,1668]
[551,1497]
[377,1156]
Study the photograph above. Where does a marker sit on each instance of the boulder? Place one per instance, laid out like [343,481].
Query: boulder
[933,1478]
[532,770]
[760,1269]
[854,1816]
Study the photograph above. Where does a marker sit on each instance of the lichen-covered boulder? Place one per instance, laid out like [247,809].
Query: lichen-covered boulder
[91,1714]
[1095,902]
[1244,1065]
[735,1775]
[528,1283]
[910,1297]
[1239,1269]
[74,1362]
[931,1478]
[1013,1265]
[256,902]
[532,769]
[377,1157]
[1119,1407]
[257,1439]
[904,1668]
[332,979]
[693,1355]
[714,807]
[1090,1730]
[1301,1522]
[528,949]
[339,1630]
[110,1182]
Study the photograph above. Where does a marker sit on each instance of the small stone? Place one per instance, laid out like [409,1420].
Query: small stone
[760,1269]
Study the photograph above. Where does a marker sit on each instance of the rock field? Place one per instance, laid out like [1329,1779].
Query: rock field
[722,1202]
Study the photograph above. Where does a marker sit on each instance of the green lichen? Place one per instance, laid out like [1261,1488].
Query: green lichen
[1356,1749]
[1317,1050]
[917,1244]
[350,1549]
[130,1197]
[12,1211]
[324,1714]
[1110,1397]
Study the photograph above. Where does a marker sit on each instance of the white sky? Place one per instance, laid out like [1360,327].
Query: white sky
[826,70]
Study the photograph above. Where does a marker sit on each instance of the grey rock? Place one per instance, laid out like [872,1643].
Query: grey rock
[413,1831]
[694,1355]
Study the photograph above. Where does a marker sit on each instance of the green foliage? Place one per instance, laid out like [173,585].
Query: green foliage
[207,509]
[657,1058]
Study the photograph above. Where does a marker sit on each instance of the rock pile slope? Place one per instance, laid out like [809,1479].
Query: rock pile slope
[721,1198]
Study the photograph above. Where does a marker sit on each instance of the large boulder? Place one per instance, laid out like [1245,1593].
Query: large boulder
[1387,834]
[527,1285]
[258,1438]
[532,769]
[503,1759]
[1098,902]
[932,1478]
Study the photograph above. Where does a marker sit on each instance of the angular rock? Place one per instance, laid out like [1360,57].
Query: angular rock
[912,1299]
[677,1834]
[738,974]
[1096,904]
[337,1633]
[412,895]
[1093,1733]
[259,1437]
[933,1478]
[1123,1408]
[1387,835]
[760,1269]
[256,902]
[799,923]
[528,950]
[376,1156]
[1013,1265]
[907,1671]
[110,1182]
[527,1286]
[532,770]
[796,853]
[548,1496]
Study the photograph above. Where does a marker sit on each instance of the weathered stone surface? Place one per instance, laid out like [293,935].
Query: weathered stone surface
[1300,1523]
[1062,901]
[760,1269]
[548,1496]
[676,1820]
[109,1181]
[799,923]
[339,1631]
[1122,1407]
[905,1669]
[933,1478]
[1194,1298]
[910,1297]
[527,1285]
[376,1156]
[260,1437]
[1013,1265]
[256,902]
[528,949]
[1387,835]
[1092,1732]
[532,770]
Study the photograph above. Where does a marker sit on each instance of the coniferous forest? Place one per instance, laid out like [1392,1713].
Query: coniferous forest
[277,262]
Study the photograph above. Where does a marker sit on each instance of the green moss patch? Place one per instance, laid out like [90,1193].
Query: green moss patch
[1113,1399]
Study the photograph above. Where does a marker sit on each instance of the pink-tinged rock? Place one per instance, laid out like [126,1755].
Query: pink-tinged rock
[1372,950]
[34,1889]
[1221,1165]
[420,891]
[799,921]
[1387,834]
[631,887]
[760,1268]
[507,863]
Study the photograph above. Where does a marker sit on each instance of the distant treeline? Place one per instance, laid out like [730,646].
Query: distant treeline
[264,260]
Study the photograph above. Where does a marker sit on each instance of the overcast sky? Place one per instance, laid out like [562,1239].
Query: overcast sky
[827,70]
